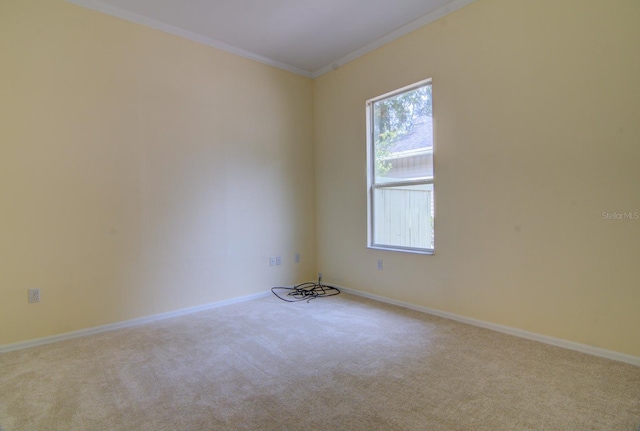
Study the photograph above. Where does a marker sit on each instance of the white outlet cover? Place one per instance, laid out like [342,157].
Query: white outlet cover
[34,295]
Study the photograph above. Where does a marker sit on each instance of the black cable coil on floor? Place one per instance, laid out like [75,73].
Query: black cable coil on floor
[305,291]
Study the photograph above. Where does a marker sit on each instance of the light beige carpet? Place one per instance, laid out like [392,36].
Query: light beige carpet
[339,363]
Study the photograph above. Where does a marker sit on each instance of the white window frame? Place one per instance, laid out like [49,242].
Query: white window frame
[372,185]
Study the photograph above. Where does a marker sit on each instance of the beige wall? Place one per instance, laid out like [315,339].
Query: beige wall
[537,133]
[141,172]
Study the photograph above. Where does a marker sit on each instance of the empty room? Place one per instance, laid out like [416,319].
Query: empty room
[297,215]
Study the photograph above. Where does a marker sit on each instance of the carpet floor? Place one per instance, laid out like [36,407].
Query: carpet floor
[339,363]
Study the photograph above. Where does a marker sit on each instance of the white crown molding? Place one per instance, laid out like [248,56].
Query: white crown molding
[99,6]
[128,323]
[570,345]
[390,37]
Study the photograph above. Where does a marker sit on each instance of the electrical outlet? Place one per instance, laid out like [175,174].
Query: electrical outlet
[380,264]
[272,261]
[34,295]
[278,260]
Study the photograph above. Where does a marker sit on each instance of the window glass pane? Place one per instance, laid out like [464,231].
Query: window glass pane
[403,216]
[403,136]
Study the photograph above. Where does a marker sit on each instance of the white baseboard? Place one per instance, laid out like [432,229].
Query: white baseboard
[128,323]
[595,351]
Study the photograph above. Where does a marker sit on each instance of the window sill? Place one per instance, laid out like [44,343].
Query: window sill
[402,250]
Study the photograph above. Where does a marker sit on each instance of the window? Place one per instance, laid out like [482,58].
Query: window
[400,170]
